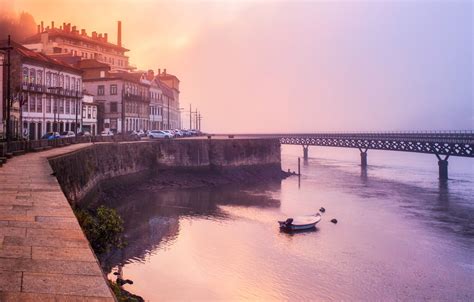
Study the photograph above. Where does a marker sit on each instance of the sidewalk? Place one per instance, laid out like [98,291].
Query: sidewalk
[44,255]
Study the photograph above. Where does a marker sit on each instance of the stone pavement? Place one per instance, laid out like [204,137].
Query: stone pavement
[44,256]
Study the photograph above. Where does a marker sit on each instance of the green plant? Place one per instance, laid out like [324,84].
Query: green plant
[103,228]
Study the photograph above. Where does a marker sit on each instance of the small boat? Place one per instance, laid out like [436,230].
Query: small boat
[300,223]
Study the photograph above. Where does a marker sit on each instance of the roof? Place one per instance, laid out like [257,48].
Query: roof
[91,64]
[165,88]
[56,32]
[39,57]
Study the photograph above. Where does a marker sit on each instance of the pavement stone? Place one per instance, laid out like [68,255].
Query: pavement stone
[44,255]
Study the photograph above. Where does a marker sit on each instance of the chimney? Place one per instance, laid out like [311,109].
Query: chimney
[150,75]
[69,27]
[119,33]
[100,37]
[39,28]
[164,71]
[94,35]
[105,37]
[74,29]
[61,27]
[83,32]
[64,25]
[52,24]
[42,26]
[159,71]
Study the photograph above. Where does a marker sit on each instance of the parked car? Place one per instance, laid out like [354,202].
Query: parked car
[106,133]
[169,132]
[84,133]
[51,135]
[158,134]
[68,134]
[133,135]
[141,133]
[178,133]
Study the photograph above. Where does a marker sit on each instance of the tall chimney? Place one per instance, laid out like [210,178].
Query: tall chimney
[52,24]
[119,33]
[42,26]
[39,28]
[105,37]
[164,71]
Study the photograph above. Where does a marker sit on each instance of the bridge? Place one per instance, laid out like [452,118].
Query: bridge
[442,144]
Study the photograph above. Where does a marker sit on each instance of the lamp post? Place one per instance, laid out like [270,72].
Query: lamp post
[8,97]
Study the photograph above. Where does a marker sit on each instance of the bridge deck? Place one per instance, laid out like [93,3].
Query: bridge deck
[450,143]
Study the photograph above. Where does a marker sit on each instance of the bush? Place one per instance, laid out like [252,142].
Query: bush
[103,228]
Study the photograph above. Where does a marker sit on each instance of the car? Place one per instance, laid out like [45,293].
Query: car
[106,133]
[178,133]
[84,133]
[141,133]
[158,134]
[51,135]
[169,132]
[68,134]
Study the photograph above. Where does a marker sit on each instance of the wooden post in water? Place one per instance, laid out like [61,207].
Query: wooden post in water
[299,166]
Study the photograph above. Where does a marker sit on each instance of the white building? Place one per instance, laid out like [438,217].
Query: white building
[89,114]
[155,95]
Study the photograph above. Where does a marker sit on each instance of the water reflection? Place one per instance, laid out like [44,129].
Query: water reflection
[151,218]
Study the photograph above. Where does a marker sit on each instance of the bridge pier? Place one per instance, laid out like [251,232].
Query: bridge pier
[443,167]
[363,158]
[305,152]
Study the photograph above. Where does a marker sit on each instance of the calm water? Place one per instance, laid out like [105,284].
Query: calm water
[401,234]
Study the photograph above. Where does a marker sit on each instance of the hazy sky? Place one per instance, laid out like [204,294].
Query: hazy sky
[261,66]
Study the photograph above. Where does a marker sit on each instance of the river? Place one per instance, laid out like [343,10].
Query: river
[401,234]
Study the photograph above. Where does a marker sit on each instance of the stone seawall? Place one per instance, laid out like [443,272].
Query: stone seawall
[79,172]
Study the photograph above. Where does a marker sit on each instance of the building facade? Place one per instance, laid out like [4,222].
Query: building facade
[122,97]
[46,94]
[156,101]
[170,86]
[68,40]
[2,101]
[89,114]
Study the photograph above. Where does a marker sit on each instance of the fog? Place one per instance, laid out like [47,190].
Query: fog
[289,66]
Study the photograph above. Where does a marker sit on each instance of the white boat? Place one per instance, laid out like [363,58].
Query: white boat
[300,223]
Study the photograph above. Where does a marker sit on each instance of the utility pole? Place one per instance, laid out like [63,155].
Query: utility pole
[196,124]
[8,97]
[190,118]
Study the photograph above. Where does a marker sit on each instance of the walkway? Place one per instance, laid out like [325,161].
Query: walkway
[44,255]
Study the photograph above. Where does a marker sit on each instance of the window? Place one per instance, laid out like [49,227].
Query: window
[61,81]
[73,106]
[113,107]
[48,79]
[32,100]
[39,104]
[100,90]
[84,112]
[89,112]
[32,76]
[68,106]
[25,75]
[48,104]
[61,106]
[94,112]
[39,78]
[67,82]
[73,83]
[78,85]
[113,89]
[55,102]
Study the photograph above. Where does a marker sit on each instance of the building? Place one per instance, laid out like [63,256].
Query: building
[2,103]
[89,114]
[170,86]
[156,101]
[46,94]
[122,97]
[68,40]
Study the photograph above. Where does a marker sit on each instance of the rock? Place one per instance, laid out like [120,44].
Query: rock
[334,220]
[322,210]
[128,281]
[116,273]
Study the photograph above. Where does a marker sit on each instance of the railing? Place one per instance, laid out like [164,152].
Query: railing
[449,143]
[23,146]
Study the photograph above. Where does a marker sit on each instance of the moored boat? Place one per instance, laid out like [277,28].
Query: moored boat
[300,223]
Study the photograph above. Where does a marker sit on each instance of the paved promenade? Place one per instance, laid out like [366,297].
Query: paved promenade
[44,256]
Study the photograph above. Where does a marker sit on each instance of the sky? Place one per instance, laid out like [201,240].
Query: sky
[296,66]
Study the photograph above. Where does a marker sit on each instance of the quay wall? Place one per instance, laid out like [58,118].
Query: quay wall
[80,172]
